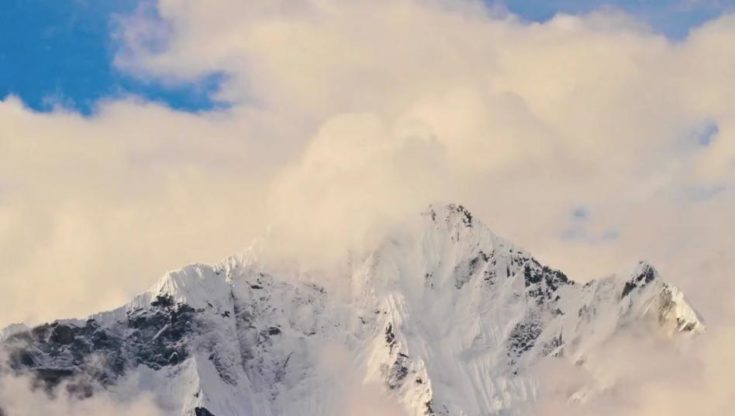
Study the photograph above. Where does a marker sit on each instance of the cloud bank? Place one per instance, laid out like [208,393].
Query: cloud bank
[345,116]
[17,398]
[641,376]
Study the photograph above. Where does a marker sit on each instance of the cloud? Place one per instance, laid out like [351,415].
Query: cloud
[18,398]
[640,376]
[92,207]
[345,116]
[517,120]
[353,394]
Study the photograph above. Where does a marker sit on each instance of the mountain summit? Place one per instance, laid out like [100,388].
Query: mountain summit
[444,317]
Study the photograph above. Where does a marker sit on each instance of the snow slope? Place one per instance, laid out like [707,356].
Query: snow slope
[445,317]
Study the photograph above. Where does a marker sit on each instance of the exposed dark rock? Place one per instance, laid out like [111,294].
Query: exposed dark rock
[552,347]
[48,378]
[21,358]
[390,337]
[646,275]
[465,271]
[478,261]
[87,354]
[160,332]
[542,282]
[467,216]
[40,332]
[398,372]
[429,410]
[428,280]
[523,336]
[163,301]
[629,286]
[461,210]
[201,411]
[62,334]
[688,327]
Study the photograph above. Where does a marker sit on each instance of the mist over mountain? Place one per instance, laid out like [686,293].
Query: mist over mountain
[442,317]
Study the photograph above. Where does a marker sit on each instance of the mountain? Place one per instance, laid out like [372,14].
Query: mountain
[443,318]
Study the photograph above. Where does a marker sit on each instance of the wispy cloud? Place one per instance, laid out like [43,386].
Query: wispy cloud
[345,116]
[348,116]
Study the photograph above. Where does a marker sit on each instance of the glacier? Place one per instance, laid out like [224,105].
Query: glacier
[443,318]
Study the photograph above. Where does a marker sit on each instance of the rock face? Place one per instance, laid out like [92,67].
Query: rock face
[445,317]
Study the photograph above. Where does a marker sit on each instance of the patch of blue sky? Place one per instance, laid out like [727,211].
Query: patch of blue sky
[578,229]
[673,18]
[707,133]
[61,52]
[698,136]
[580,213]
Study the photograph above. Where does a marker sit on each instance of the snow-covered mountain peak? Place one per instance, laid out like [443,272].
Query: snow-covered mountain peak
[444,316]
[195,285]
[646,294]
[643,275]
[450,214]
[458,223]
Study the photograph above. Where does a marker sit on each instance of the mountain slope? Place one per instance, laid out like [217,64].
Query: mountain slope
[445,317]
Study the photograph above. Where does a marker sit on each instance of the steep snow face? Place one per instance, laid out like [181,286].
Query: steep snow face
[466,314]
[445,317]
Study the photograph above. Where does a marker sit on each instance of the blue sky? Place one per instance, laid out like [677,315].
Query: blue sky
[673,18]
[60,52]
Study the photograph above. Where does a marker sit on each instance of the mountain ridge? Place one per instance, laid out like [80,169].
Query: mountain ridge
[445,316]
